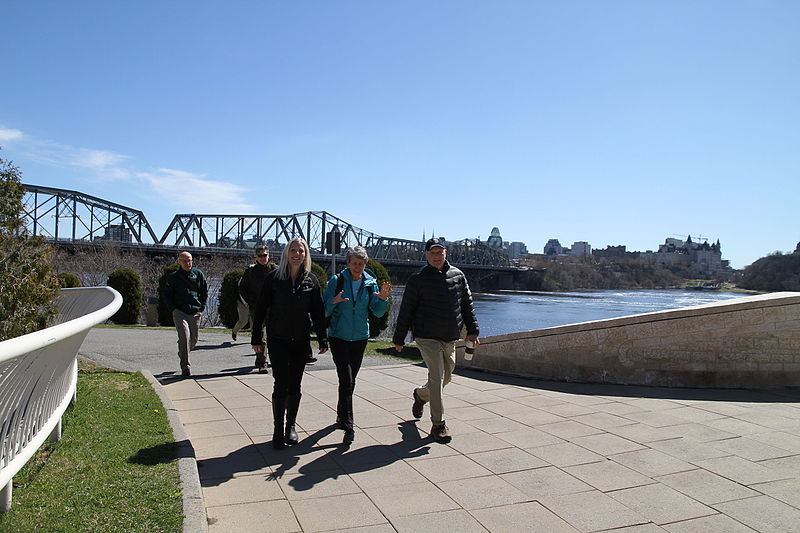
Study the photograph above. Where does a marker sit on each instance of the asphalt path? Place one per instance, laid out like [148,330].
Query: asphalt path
[156,350]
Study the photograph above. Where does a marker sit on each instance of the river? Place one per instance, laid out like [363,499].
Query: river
[500,313]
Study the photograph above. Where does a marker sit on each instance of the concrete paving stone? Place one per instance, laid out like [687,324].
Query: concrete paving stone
[446,521]
[764,514]
[482,492]
[252,413]
[250,400]
[543,482]
[706,487]
[723,408]
[785,490]
[428,449]
[184,389]
[781,439]
[379,395]
[476,397]
[189,404]
[380,528]
[471,412]
[658,419]
[652,463]
[661,504]
[608,475]
[348,458]
[256,429]
[788,465]
[497,424]
[568,410]
[603,421]
[569,429]
[736,426]
[644,434]
[216,428]
[564,454]
[528,517]
[384,475]
[410,499]
[449,468]
[539,401]
[741,470]
[241,489]
[606,444]
[506,407]
[641,528]
[529,438]
[195,416]
[718,523]
[535,417]
[653,404]
[507,460]
[750,449]
[511,392]
[285,461]
[259,517]
[693,414]
[394,433]
[336,512]
[369,419]
[225,387]
[398,405]
[592,511]
[701,433]
[687,449]
[618,408]
[477,441]
[317,484]
[208,447]
[244,463]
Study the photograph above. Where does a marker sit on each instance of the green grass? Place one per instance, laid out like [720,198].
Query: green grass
[115,469]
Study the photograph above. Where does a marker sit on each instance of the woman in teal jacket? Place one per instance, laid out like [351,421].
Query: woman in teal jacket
[348,302]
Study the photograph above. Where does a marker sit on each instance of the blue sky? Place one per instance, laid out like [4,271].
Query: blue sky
[612,122]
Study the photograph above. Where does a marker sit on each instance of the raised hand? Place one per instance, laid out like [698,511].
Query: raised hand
[386,291]
[338,298]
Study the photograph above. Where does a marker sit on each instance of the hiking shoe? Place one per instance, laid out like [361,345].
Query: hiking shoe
[311,360]
[419,403]
[233,335]
[441,433]
[186,372]
[349,436]
[263,369]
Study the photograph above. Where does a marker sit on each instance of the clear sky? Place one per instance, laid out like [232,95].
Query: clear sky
[612,122]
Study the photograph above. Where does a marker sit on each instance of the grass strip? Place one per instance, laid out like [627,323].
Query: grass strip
[115,469]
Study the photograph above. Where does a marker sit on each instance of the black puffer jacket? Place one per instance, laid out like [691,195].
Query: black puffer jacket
[290,309]
[436,304]
[252,281]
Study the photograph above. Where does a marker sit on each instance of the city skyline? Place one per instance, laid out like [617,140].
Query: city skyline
[610,123]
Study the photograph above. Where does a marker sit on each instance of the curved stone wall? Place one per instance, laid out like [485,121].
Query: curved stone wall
[748,342]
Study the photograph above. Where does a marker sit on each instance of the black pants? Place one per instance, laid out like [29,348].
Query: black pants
[347,355]
[288,364]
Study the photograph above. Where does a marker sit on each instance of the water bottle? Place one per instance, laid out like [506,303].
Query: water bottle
[469,350]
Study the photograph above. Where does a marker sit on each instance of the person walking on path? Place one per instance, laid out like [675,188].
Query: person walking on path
[348,309]
[185,294]
[243,313]
[250,286]
[290,304]
[436,305]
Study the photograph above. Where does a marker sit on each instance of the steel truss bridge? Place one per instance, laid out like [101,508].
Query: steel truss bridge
[71,217]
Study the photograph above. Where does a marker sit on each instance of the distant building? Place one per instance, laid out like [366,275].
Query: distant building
[580,249]
[495,240]
[703,257]
[118,232]
[553,247]
[610,251]
[516,249]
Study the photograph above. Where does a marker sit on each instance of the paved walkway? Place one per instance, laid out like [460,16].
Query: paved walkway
[526,455]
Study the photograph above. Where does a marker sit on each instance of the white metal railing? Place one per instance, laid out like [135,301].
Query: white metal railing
[38,378]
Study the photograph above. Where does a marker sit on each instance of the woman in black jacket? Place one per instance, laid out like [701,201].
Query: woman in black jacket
[290,302]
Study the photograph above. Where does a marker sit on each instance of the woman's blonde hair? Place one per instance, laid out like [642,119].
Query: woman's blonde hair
[282,272]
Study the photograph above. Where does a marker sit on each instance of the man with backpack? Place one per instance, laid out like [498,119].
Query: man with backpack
[185,294]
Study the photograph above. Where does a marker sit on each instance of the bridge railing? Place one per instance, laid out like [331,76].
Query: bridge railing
[38,378]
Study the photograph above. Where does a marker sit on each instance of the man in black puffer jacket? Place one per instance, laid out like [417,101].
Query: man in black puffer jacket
[436,304]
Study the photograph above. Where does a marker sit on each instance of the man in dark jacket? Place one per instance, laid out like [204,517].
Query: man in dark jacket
[436,304]
[185,293]
[250,289]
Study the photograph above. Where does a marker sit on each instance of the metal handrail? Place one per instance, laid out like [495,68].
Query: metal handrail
[38,378]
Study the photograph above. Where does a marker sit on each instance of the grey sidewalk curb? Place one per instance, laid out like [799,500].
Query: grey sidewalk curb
[194,508]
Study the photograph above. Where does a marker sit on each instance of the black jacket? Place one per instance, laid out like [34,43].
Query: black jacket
[436,304]
[252,281]
[289,309]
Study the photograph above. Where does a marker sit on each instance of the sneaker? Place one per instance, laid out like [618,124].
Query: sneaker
[311,360]
[349,436]
[419,403]
[186,372]
[263,369]
[233,335]
[441,433]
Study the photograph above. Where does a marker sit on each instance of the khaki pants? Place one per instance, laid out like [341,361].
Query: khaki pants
[187,326]
[440,358]
[244,316]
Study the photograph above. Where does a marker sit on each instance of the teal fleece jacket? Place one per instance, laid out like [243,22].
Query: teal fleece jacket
[350,319]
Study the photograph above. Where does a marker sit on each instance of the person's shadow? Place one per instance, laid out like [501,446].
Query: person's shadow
[360,459]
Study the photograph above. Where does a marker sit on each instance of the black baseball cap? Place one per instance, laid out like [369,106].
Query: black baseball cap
[433,242]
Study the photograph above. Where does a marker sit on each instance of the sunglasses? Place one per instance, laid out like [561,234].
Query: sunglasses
[262,255]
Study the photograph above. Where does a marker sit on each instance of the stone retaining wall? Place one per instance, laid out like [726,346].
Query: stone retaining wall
[749,342]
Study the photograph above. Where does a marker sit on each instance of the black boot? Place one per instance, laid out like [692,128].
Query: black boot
[292,406]
[278,411]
